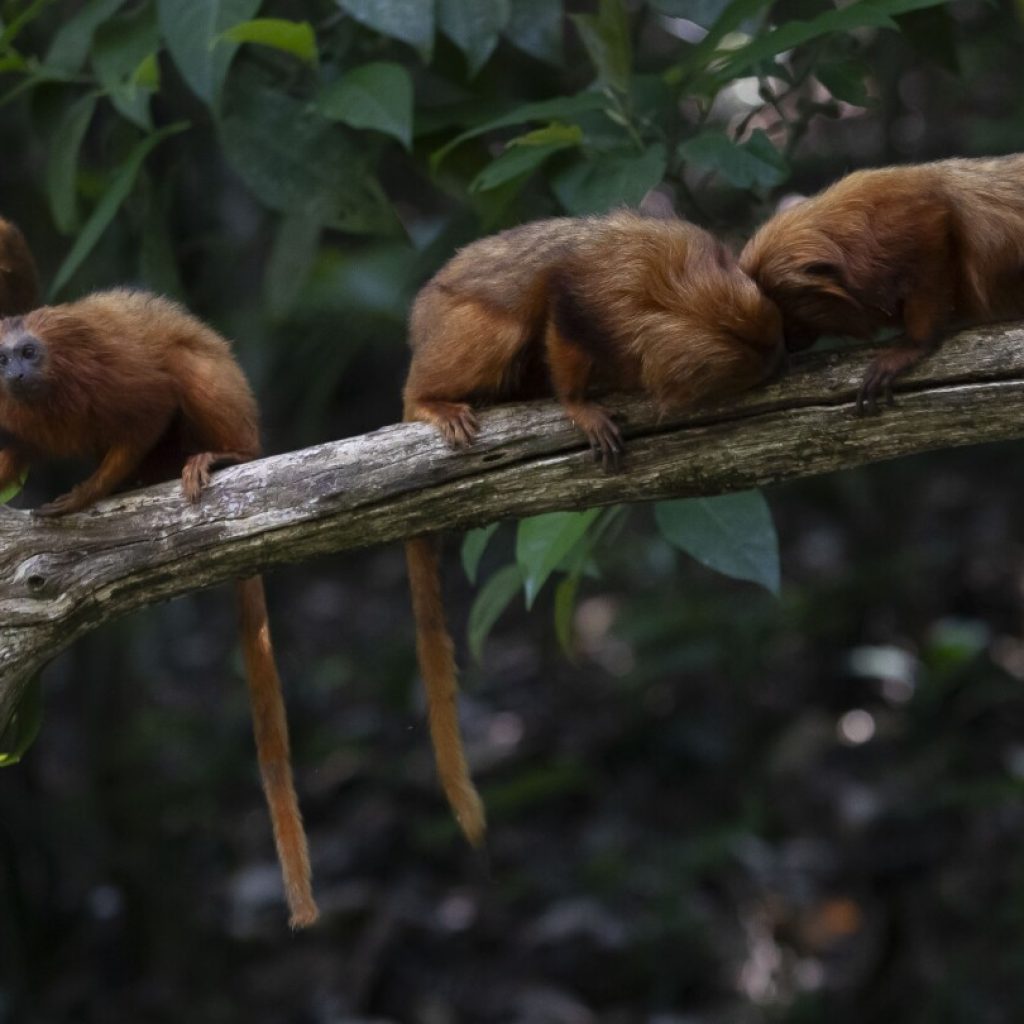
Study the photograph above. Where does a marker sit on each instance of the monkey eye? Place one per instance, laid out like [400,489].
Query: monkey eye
[28,352]
[3,358]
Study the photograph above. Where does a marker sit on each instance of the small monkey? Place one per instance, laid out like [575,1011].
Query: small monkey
[151,392]
[568,307]
[922,248]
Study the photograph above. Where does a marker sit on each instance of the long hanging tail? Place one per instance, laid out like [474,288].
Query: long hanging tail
[437,664]
[270,726]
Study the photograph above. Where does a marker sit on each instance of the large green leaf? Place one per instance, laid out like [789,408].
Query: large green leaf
[294,37]
[62,165]
[535,26]
[72,41]
[122,49]
[191,29]
[473,546]
[732,16]
[543,541]
[845,80]
[754,162]
[733,534]
[607,180]
[559,108]
[411,21]
[291,260]
[110,202]
[377,96]
[525,154]
[491,600]
[606,38]
[474,27]
[296,161]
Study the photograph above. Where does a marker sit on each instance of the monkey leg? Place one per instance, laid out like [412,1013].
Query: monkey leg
[195,476]
[570,366]
[925,313]
[116,467]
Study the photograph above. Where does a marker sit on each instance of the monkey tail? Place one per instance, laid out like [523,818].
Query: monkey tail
[270,726]
[437,665]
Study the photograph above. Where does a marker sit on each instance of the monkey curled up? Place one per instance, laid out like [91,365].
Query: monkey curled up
[151,392]
[570,308]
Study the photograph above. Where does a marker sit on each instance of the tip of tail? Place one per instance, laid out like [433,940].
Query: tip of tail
[469,813]
[303,914]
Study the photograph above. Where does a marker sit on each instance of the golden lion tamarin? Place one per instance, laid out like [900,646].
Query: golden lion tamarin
[150,391]
[570,308]
[922,248]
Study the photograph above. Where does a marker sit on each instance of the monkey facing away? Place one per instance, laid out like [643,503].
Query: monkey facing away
[568,307]
[150,391]
[922,248]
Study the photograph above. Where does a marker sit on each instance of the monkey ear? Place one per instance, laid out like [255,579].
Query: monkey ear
[824,269]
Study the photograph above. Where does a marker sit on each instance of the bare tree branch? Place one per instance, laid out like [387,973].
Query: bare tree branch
[61,578]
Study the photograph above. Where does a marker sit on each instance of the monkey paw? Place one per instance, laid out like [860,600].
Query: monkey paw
[195,476]
[62,506]
[884,369]
[458,425]
[602,433]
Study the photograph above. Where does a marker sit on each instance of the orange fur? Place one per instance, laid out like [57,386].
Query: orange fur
[922,248]
[150,391]
[570,308]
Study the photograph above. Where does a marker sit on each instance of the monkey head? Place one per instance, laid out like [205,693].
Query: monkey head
[817,280]
[734,339]
[23,362]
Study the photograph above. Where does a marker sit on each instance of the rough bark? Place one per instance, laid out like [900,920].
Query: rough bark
[61,578]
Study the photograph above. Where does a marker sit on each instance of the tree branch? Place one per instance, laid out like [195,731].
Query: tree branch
[62,578]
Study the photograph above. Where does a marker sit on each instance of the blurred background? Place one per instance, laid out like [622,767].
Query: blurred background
[708,804]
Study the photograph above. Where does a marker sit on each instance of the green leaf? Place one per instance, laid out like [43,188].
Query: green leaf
[492,599]
[565,605]
[297,162]
[473,546]
[191,29]
[845,80]
[21,20]
[62,165]
[605,36]
[560,108]
[73,40]
[21,731]
[14,489]
[377,96]
[291,259]
[543,541]
[122,45]
[106,209]
[411,21]
[755,162]
[701,12]
[733,534]
[730,19]
[535,27]
[863,14]
[294,37]
[609,180]
[525,154]
[474,27]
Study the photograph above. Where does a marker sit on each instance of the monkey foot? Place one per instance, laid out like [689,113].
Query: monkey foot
[455,421]
[195,476]
[884,369]
[62,506]
[602,433]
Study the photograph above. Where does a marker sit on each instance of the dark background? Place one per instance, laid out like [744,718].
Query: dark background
[725,809]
